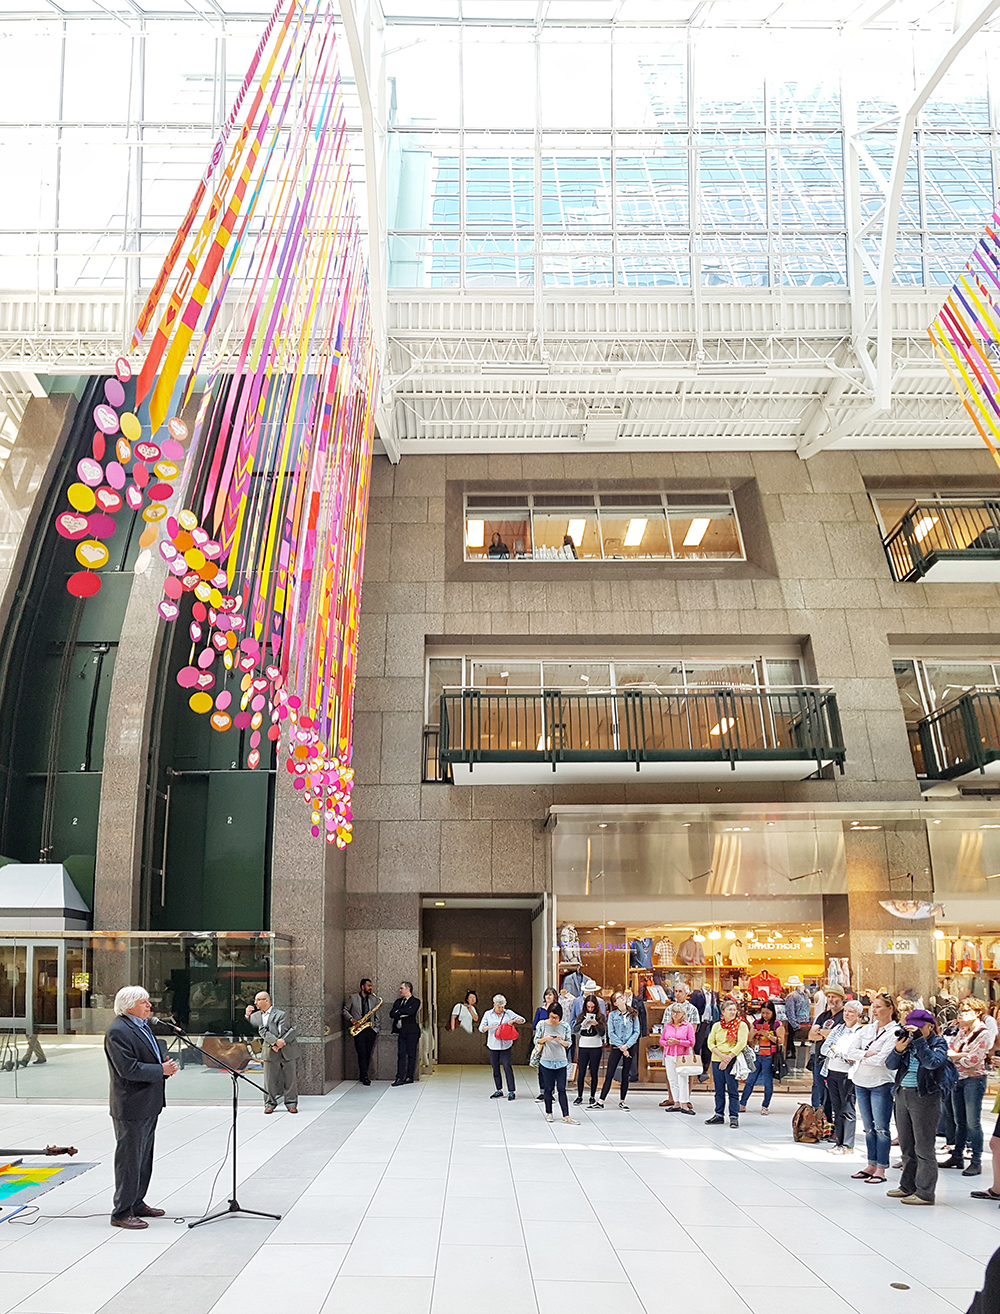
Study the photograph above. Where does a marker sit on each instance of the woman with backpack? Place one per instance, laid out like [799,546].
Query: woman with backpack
[767,1036]
[590,1031]
[924,1077]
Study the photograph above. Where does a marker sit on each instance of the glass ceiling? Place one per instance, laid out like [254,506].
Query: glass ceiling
[581,143]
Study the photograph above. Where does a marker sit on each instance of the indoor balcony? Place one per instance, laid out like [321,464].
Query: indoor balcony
[962,741]
[947,543]
[502,738]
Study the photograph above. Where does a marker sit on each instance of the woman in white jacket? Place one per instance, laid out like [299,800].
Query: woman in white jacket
[874,1085]
[499,1049]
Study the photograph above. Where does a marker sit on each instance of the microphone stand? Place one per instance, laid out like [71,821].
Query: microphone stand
[234,1206]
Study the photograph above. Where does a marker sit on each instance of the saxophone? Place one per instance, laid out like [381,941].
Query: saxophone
[363,1023]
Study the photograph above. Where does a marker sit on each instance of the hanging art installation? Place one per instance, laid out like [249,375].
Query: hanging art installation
[966,334]
[257,500]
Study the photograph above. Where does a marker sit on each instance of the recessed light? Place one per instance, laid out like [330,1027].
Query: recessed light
[602,825]
[439,903]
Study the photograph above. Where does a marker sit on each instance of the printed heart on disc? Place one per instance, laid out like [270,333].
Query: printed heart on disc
[133,497]
[90,471]
[147,451]
[70,525]
[123,369]
[221,720]
[205,679]
[106,418]
[187,519]
[108,500]
[92,554]
[123,451]
[199,535]
[177,428]
[168,610]
[190,579]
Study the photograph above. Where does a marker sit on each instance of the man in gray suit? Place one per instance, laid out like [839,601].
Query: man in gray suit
[280,1054]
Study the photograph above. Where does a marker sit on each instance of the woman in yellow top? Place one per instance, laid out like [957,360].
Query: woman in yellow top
[727,1038]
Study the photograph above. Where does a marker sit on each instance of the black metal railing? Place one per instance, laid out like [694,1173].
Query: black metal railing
[935,531]
[963,737]
[706,725]
[435,772]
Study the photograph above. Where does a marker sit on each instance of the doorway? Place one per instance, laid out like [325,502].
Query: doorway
[32,987]
[488,950]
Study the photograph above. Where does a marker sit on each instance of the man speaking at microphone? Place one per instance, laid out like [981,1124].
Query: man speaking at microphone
[138,1077]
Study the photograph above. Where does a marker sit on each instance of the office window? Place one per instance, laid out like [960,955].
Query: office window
[602,527]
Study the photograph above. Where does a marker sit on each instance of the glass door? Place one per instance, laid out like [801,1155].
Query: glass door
[13,979]
[429,1011]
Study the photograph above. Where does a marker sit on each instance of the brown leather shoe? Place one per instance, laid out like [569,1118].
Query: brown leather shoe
[147,1211]
[268,1110]
[131,1223]
[292,1110]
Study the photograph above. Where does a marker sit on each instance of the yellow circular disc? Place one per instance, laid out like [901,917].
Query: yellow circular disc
[148,536]
[227,659]
[154,512]
[246,682]
[92,554]
[201,591]
[201,701]
[81,498]
[187,519]
[166,470]
[216,600]
[194,558]
[130,426]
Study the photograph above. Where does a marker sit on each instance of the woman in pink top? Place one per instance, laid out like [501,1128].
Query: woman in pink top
[677,1041]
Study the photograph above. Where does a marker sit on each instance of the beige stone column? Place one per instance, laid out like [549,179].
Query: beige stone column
[307,905]
[878,862]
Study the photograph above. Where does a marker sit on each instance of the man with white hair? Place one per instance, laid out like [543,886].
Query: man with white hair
[138,1074]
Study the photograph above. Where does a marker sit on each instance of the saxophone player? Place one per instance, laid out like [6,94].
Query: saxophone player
[364,1042]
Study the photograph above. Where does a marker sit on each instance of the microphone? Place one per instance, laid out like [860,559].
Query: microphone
[165,1022]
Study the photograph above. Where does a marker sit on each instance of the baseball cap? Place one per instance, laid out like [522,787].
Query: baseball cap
[919,1017]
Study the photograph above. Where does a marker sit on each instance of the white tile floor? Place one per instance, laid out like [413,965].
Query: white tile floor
[434,1199]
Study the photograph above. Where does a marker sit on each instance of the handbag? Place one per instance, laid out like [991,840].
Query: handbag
[741,1068]
[536,1057]
[505,1031]
[453,1022]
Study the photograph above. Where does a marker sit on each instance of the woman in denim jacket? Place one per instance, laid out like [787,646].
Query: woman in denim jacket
[623,1037]
[920,1062]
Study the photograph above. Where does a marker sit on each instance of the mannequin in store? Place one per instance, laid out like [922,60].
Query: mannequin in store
[677,1043]
[738,955]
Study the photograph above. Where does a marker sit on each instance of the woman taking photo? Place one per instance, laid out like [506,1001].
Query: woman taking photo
[919,1060]
[969,1051]
[874,1085]
[839,1065]
[768,1040]
[728,1038]
[590,1029]
[677,1042]
[623,1036]
[500,1018]
[553,1038]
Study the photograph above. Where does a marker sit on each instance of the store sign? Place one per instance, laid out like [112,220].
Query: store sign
[899,944]
[81,981]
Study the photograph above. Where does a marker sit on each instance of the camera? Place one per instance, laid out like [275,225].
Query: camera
[903,1034]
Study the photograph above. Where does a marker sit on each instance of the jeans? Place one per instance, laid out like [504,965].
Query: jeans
[763,1070]
[875,1107]
[679,1078]
[725,1082]
[406,1054]
[967,1107]
[819,1093]
[916,1122]
[614,1058]
[500,1057]
[588,1060]
[554,1079]
[841,1090]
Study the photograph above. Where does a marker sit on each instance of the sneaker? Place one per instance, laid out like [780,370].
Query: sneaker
[915,1200]
[623,1105]
[572,1121]
[743,1108]
[512,1096]
[549,1118]
[734,1122]
[497,1094]
[592,1104]
[538,1098]
[578,1100]
[897,1194]
[716,1120]
[765,1111]
[597,1104]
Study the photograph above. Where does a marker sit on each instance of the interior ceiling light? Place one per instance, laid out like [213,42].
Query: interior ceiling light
[612,923]
[938,934]
[715,935]
[635,531]
[730,935]
[725,724]
[923,527]
[475,533]
[698,937]
[696,531]
[439,903]
[575,530]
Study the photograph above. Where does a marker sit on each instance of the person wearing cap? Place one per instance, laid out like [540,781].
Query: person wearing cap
[819,1034]
[919,1061]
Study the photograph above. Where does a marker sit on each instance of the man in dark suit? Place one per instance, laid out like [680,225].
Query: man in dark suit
[138,1076]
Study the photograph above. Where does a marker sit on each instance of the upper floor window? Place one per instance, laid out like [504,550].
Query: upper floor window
[601,527]
[940,537]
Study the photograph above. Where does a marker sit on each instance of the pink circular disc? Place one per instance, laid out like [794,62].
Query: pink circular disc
[223,700]
[140,474]
[84,584]
[160,492]
[114,392]
[187,677]
[255,739]
[115,475]
[258,703]
[242,720]
[167,551]
[101,526]
[206,657]
[90,471]
[106,418]
[172,587]
[194,630]
[172,449]
[250,646]
[178,566]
